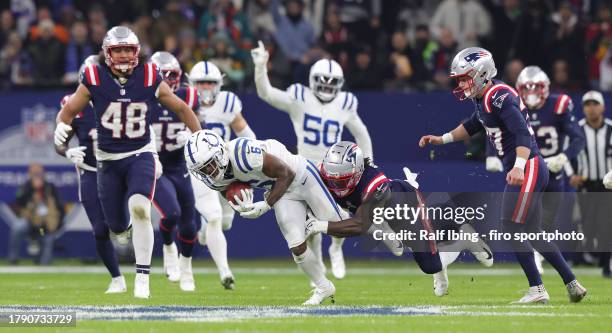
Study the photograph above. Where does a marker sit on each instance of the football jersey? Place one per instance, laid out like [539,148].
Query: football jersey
[319,125]
[221,113]
[166,124]
[246,163]
[553,123]
[84,127]
[504,117]
[122,111]
[371,180]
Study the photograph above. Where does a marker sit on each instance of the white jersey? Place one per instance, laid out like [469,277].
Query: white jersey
[220,115]
[246,162]
[317,125]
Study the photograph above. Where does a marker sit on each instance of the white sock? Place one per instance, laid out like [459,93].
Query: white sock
[448,258]
[337,242]
[142,229]
[217,245]
[309,264]
[315,244]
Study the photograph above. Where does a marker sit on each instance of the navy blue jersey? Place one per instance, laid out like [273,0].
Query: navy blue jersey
[122,110]
[84,127]
[504,117]
[553,123]
[166,125]
[371,180]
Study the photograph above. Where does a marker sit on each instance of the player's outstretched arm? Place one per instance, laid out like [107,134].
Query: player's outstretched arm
[242,129]
[458,134]
[168,99]
[277,98]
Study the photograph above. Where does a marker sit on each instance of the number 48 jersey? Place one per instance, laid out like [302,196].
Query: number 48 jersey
[122,110]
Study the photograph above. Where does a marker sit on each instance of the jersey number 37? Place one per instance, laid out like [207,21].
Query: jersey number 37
[134,125]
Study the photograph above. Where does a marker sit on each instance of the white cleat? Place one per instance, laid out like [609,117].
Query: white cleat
[186,281]
[336,257]
[117,285]
[141,286]
[441,283]
[171,262]
[539,259]
[319,294]
[575,291]
[480,250]
[537,294]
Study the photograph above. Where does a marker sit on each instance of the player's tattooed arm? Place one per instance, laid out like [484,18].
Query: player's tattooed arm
[280,171]
[168,99]
[77,103]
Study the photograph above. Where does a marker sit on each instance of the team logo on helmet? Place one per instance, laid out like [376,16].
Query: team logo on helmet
[473,57]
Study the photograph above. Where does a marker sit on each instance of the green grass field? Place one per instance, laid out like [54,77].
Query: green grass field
[377,296]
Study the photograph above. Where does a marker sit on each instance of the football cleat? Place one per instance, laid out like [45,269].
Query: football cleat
[336,257]
[536,294]
[117,285]
[441,283]
[480,250]
[186,281]
[575,291]
[539,259]
[319,294]
[141,286]
[171,262]
[228,282]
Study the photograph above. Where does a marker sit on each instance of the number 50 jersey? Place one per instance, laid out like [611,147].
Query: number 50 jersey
[122,110]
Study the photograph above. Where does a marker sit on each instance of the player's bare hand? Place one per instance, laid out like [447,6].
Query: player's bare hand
[576,181]
[515,176]
[430,139]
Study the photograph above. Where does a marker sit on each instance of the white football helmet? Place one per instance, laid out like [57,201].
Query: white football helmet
[207,156]
[206,71]
[120,36]
[342,168]
[91,60]
[475,64]
[326,79]
[533,85]
[169,68]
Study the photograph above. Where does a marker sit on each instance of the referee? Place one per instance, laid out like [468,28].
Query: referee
[594,169]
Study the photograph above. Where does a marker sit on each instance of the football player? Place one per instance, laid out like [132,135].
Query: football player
[84,159]
[222,112]
[501,113]
[122,91]
[552,119]
[319,114]
[293,183]
[173,192]
[358,186]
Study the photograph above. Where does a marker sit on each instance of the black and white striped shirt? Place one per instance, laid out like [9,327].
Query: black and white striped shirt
[596,158]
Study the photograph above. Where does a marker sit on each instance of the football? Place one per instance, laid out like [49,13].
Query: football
[234,189]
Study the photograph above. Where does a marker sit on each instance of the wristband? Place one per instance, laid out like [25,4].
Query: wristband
[447,138]
[520,163]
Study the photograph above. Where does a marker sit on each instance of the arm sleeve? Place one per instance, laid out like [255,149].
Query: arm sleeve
[277,98]
[472,125]
[508,109]
[574,133]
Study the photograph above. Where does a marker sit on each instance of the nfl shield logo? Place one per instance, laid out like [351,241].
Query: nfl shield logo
[38,123]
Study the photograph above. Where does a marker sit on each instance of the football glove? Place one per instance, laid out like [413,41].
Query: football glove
[555,163]
[494,164]
[182,137]
[607,180]
[255,210]
[260,55]
[242,203]
[61,133]
[411,178]
[76,155]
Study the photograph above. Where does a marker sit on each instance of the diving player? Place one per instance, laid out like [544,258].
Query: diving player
[122,92]
[222,112]
[359,186]
[319,114]
[173,192]
[552,119]
[84,159]
[501,113]
[293,183]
